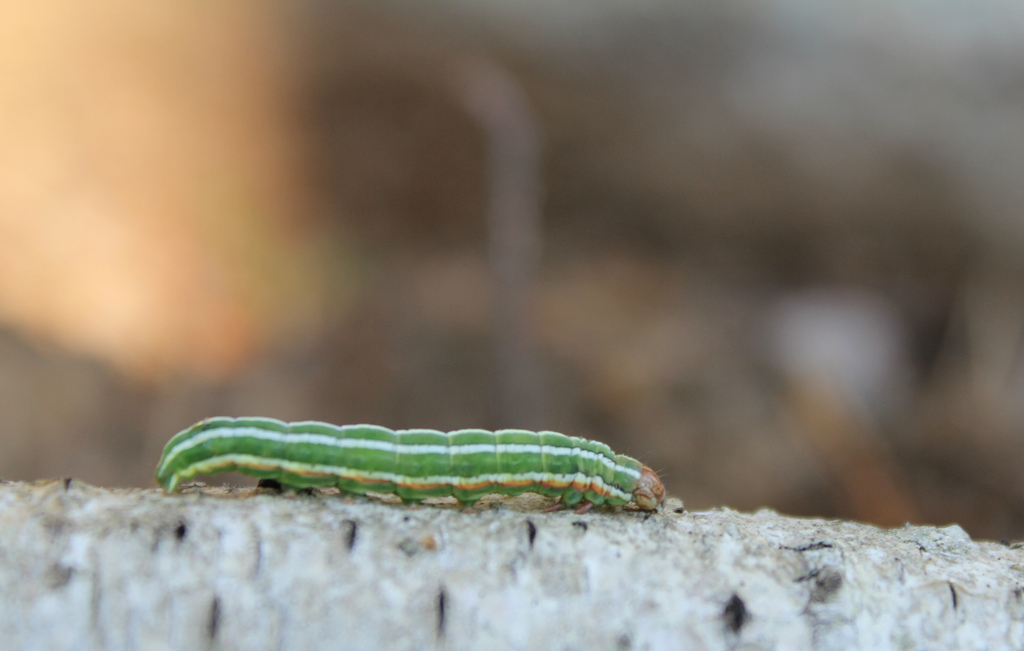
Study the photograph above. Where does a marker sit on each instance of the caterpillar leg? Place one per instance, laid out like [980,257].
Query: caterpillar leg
[580,510]
[570,498]
[355,498]
[275,486]
[466,506]
[584,507]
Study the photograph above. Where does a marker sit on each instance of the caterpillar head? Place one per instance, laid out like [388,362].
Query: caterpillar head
[649,492]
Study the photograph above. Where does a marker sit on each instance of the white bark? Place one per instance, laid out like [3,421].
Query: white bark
[90,568]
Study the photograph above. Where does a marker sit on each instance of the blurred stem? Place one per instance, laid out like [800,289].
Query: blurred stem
[854,454]
[501,108]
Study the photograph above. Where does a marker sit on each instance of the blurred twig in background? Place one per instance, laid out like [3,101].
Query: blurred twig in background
[514,224]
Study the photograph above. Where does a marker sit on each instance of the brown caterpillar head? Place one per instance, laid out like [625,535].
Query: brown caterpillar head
[649,492]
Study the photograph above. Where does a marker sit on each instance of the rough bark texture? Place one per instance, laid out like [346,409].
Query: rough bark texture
[83,567]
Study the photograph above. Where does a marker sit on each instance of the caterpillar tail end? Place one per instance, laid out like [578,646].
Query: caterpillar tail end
[169,484]
[649,493]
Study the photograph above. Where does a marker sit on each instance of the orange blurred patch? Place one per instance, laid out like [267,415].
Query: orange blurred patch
[144,180]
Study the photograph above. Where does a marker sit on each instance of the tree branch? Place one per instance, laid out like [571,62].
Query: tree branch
[83,567]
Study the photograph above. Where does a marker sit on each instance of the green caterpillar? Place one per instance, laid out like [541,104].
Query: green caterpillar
[413,464]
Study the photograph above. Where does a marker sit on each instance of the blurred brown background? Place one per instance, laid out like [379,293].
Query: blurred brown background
[772,251]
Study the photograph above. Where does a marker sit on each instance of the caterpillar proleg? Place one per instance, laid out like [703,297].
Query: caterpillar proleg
[413,464]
